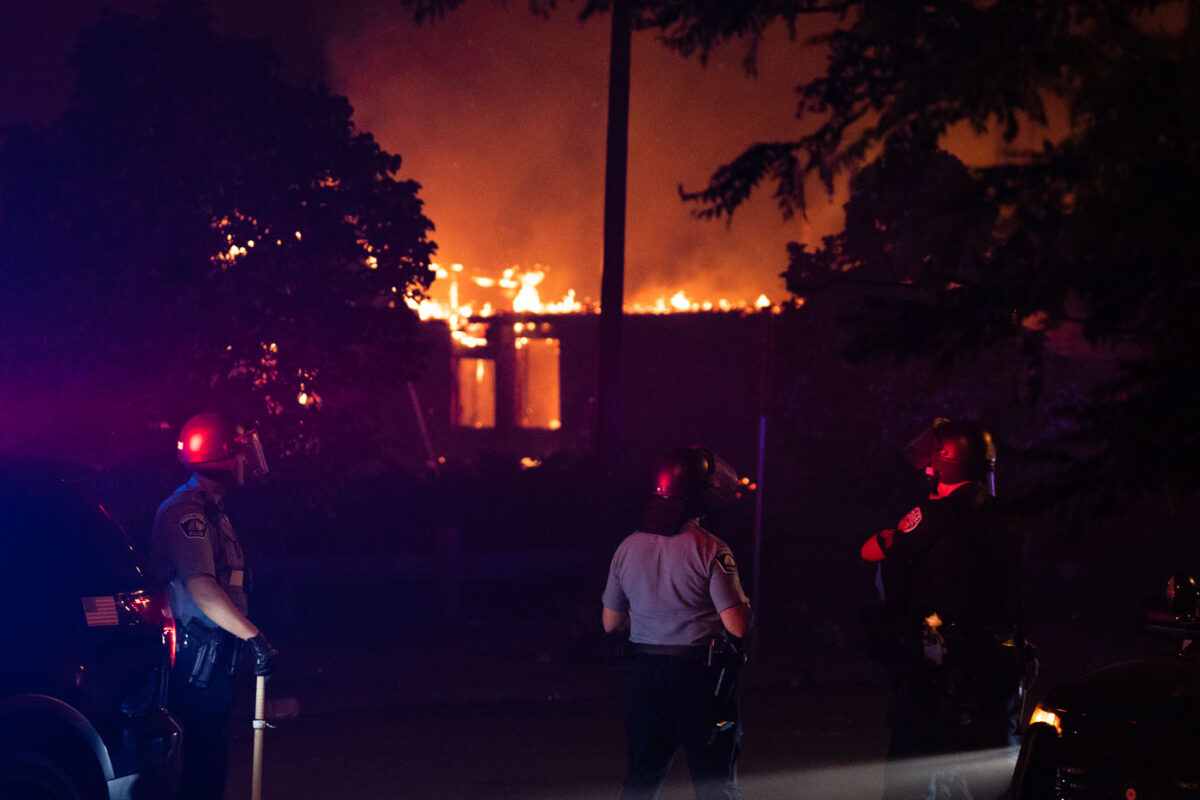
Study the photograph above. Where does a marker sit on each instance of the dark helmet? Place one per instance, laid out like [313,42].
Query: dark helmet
[956,450]
[965,452]
[681,472]
[695,475]
[212,441]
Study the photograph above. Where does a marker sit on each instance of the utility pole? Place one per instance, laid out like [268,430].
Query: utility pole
[608,429]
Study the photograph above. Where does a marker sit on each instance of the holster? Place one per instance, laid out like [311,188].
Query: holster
[728,658]
[236,646]
[209,645]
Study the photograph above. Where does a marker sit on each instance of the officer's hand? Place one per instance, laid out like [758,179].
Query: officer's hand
[264,655]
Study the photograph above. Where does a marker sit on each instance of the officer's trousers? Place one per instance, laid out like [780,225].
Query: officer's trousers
[672,705]
[966,706]
[204,714]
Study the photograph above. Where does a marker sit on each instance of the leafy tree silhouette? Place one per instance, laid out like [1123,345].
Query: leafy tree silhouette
[197,231]
[1095,228]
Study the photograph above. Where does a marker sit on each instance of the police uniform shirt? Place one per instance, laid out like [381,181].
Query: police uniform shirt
[673,587]
[192,536]
[962,560]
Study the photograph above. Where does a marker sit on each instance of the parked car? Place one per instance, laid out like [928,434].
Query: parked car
[1128,730]
[85,646]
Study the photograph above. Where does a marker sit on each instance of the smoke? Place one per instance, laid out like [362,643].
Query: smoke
[501,117]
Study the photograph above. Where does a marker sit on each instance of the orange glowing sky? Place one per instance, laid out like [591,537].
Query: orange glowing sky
[501,117]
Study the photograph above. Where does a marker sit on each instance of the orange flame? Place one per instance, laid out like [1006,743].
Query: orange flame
[517,290]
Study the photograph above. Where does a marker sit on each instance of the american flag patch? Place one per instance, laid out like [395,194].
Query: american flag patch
[100,611]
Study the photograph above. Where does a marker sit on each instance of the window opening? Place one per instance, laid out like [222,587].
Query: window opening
[476,407]
[537,383]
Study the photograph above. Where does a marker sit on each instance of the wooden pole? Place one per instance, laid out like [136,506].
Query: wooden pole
[260,722]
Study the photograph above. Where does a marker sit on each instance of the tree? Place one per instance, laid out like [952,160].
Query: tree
[1094,227]
[195,230]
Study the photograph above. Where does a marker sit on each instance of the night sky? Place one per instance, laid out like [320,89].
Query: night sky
[501,117]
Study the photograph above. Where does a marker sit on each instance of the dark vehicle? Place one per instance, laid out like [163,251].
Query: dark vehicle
[84,649]
[1128,730]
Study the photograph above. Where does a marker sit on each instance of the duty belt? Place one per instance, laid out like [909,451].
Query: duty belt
[696,651]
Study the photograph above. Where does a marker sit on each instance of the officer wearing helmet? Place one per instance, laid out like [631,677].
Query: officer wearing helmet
[951,574]
[200,558]
[674,587]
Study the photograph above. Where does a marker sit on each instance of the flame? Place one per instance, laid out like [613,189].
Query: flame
[517,289]
[465,301]
[527,298]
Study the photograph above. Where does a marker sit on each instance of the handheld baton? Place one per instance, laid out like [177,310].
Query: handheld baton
[260,723]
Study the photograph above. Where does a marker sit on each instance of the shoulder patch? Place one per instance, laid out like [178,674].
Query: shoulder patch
[725,561]
[194,525]
[911,520]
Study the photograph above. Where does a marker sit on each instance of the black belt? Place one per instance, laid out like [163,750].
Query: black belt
[696,651]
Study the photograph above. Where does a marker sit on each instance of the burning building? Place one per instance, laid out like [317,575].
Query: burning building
[515,375]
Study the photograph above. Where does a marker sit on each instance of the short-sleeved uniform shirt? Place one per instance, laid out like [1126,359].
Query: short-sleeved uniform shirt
[193,536]
[673,587]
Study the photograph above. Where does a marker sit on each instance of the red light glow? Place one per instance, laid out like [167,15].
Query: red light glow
[154,610]
[170,638]
[195,442]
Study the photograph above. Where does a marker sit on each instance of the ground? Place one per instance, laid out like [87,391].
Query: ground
[823,736]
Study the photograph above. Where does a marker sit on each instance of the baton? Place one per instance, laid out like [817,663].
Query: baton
[260,722]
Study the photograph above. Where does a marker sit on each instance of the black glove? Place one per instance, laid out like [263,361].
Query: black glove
[264,655]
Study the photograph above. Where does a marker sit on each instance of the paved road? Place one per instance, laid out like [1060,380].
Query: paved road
[820,742]
[456,724]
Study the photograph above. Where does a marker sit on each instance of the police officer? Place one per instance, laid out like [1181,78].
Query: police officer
[199,556]
[674,586]
[955,593]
